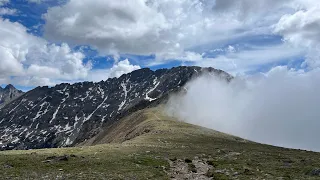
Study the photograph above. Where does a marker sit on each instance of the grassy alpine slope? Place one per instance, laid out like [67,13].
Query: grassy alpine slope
[150,145]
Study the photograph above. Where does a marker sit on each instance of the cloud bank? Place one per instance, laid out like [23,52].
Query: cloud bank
[278,108]
[164,28]
[185,31]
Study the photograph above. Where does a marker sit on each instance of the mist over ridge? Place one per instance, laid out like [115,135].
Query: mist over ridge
[279,108]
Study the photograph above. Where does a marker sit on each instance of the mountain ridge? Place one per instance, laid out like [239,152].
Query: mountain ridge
[68,114]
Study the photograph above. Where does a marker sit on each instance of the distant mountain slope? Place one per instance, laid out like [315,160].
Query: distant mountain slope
[66,114]
[8,94]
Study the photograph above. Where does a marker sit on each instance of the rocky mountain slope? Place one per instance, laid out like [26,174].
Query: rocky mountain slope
[67,114]
[8,94]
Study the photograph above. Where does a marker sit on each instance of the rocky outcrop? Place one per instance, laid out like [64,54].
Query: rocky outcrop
[8,94]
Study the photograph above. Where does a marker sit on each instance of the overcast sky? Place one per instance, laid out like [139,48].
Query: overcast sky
[45,42]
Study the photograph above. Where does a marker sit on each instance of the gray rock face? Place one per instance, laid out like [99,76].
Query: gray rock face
[66,114]
[8,94]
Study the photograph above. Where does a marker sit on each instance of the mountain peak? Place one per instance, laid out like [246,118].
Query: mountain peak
[8,94]
[9,86]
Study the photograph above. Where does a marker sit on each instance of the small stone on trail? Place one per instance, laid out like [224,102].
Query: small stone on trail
[7,166]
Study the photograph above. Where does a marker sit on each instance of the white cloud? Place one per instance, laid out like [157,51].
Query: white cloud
[249,60]
[122,67]
[31,81]
[27,56]
[60,58]
[278,108]
[15,42]
[36,1]
[44,1]
[302,30]
[45,71]
[129,26]
[7,11]
[187,56]
[48,2]
[9,64]
[231,49]
[165,28]
[302,26]
[3,2]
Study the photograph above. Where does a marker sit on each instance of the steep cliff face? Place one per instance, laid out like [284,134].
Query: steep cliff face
[8,94]
[66,114]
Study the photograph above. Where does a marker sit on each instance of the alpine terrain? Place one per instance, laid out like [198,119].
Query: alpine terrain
[66,114]
[119,129]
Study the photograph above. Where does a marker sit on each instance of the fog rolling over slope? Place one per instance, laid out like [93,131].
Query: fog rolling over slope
[278,108]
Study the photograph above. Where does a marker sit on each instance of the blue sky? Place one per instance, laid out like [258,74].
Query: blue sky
[46,42]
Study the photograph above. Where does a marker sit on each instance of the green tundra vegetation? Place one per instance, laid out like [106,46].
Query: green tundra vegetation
[148,144]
